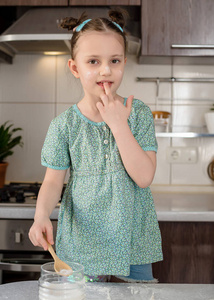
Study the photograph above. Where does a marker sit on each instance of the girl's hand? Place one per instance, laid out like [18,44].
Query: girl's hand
[40,226]
[113,112]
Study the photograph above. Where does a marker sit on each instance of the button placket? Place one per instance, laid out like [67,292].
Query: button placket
[106,141]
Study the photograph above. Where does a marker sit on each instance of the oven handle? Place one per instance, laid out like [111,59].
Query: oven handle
[20,267]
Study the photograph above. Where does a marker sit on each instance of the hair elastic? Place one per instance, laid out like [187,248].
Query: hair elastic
[80,27]
[118,26]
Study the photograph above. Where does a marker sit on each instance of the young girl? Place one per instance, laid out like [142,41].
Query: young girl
[107,220]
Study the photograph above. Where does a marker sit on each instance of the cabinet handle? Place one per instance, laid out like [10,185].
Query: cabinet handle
[18,237]
[192,46]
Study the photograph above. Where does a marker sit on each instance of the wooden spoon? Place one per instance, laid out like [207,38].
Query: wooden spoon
[60,266]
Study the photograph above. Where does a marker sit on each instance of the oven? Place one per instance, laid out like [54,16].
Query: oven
[19,259]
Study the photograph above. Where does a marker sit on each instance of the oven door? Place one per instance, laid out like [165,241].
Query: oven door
[21,266]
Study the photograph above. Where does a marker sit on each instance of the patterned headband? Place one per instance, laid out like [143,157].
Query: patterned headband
[80,27]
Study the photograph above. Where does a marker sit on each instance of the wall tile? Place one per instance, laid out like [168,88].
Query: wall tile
[69,89]
[193,174]
[197,93]
[144,91]
[31,78]
[34,119]
[189,174]
[189,118]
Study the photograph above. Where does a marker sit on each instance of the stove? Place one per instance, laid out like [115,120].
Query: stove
[21,194]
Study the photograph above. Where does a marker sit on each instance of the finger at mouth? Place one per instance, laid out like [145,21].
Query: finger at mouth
[101,84]
[107,86]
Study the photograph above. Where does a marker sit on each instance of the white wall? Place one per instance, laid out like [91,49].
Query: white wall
[34,89]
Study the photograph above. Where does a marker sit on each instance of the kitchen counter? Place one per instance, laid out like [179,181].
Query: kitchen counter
[184,207]
[117,291]
[22,212]
[170,206]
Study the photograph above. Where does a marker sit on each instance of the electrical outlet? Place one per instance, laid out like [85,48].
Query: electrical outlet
[182,155]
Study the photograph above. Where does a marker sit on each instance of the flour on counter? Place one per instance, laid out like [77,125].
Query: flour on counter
[152,298]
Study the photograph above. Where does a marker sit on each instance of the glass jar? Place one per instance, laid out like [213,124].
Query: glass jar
[162,120]
[53,286]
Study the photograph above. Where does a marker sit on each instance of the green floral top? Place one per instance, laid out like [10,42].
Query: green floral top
[106,221]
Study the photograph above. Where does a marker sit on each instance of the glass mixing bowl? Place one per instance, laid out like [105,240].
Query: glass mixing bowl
[53,286]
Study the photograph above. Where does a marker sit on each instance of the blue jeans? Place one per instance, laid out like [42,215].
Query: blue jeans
[138,273]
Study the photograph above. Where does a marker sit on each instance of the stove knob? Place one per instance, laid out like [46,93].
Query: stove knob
[4,196]
[20,197]
[18,237]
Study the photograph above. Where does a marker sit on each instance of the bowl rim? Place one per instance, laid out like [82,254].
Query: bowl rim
[80,269]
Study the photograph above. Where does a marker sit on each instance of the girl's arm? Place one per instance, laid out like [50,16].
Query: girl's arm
[49,196]
[139,164]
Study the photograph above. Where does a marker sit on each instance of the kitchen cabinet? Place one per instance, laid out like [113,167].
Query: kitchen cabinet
[68,2]
[188,249]
[186,24]
[104,2]
[34,2]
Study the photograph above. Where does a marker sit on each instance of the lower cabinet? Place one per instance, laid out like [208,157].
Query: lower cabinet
[188,250]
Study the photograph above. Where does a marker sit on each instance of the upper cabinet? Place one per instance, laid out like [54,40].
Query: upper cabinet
[104,2]
[68,2]
[177,28]
[34,2]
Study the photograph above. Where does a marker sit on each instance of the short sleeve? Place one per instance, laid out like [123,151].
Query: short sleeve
[144,129]
[55,151]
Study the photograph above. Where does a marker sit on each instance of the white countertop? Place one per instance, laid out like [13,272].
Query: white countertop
[170,206]
[117,291]
[17,212]
[186,207]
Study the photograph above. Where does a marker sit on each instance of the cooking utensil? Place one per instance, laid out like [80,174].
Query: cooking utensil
[60,266]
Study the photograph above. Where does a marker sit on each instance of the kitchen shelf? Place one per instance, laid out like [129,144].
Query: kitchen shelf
[159,80]
[183,134]
[173,79]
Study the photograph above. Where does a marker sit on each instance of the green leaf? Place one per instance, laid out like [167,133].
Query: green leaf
[7,141]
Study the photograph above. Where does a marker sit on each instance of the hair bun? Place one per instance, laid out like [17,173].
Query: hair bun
[118,15]
[70,23]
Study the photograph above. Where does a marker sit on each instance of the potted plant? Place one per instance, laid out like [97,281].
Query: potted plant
[209,119]
[7,143]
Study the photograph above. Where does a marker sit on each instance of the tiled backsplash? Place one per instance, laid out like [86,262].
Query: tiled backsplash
[34,89]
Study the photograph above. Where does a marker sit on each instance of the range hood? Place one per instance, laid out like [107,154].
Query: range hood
[38,32]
